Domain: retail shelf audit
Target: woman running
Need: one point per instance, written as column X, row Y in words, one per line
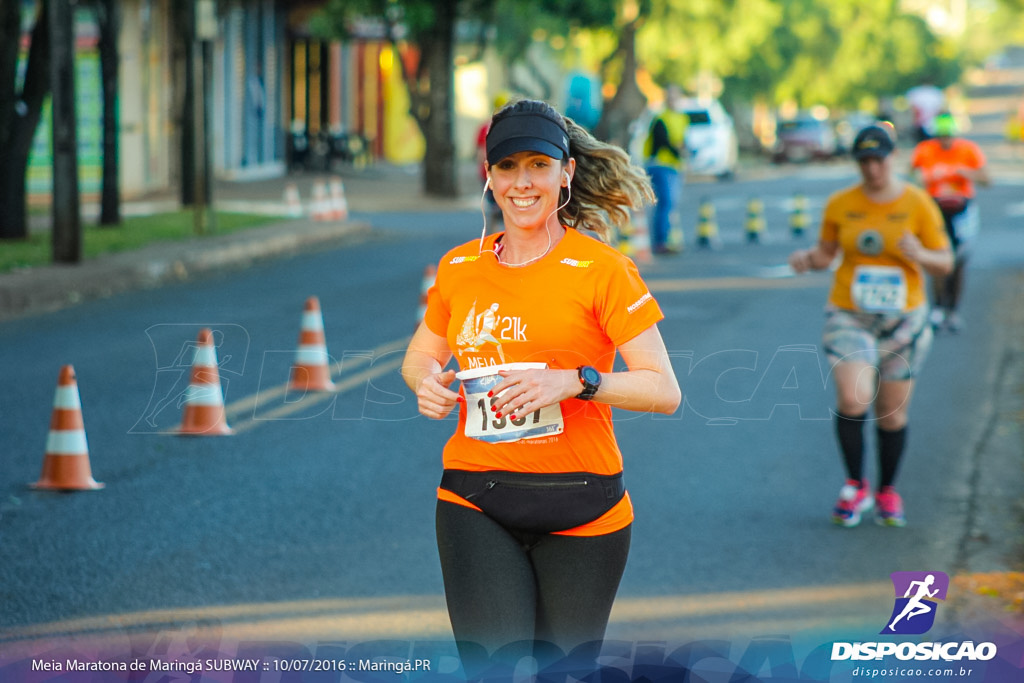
column 533, row 520
column 876, row 328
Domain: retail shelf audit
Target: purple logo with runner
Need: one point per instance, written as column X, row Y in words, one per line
column 916, row 596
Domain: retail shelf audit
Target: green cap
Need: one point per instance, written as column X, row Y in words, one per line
column 945, row 125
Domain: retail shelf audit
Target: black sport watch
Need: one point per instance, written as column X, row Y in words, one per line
column 590, row 378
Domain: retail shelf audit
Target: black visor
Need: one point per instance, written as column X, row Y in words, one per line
column 526, row 132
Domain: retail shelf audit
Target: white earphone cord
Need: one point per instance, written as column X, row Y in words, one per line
column 483, row 233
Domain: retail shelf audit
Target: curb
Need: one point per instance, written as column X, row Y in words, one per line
column 53, row 287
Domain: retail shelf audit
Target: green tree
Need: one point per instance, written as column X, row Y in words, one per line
column 832, row 52
column 735, row 39
column 21, row 107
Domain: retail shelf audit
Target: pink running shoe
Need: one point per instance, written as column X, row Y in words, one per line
column 890, row 508
column 854, row 499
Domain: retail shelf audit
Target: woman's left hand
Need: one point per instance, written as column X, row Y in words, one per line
column 528, row 390
column 936, row 262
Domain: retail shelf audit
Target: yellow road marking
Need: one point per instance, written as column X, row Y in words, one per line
column 317, row 398
column 251, row 404
column 417, row 616
column 675, row 606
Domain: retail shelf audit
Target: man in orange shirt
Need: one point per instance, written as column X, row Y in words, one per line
column 949, row 167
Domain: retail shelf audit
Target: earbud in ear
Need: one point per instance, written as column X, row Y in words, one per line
column 488, row 184
column 567, row 178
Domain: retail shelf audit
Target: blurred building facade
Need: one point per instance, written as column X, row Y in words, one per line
column 268, row 74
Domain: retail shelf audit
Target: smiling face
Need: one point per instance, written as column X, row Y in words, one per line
column 527, row 188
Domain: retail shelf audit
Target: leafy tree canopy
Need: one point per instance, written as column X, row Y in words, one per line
column 831, row 52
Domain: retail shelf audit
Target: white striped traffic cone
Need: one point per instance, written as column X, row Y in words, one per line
column 66, row 463
column 321, row 202
column 339, row 205
column 292, row 200
column 204, row 404
column 640, row 238
column 311, row 371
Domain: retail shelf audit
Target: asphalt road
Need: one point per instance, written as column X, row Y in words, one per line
column 314, row 521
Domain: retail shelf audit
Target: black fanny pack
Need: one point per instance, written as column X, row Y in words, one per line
column 537, row 503
column 952, row 205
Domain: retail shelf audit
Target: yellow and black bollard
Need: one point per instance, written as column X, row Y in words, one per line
column 625, row 232
column 798, row 218
column 707, row 226
column 755, row 220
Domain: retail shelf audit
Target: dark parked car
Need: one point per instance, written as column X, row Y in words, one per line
column 803, row 139
column 847, row 128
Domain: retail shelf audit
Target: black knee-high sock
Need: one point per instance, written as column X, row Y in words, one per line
column 890, row 450
column 850, row 430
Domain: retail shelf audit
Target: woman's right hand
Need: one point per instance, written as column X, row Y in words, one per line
column 434, row 398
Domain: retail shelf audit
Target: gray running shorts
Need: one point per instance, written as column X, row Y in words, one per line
column 896, row 344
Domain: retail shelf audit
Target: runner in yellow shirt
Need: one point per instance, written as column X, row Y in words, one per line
column 876, row 332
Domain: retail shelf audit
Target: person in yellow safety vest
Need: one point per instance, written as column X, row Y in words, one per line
column 665, row 155
column 1015, row 124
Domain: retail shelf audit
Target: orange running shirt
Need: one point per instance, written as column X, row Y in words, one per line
column 868, row 234
column 939, row 166
column 572, row 307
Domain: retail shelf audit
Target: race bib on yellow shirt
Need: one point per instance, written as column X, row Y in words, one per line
column 879, row 289
column 481, row 422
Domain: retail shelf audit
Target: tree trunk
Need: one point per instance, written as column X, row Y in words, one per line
column 10, row 39
column 20, row 113
column 185, row 78
column 66, row 232
column 628, row 102
column 440, row 177
column 110, row 26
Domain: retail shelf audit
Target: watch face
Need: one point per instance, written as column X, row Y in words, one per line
column 590, row 375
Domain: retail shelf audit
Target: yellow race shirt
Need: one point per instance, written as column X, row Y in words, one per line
column 874, row 275
column 572, row 307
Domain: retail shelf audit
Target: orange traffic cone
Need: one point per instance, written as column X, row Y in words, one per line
column 66, row 464
column 429, row 275
column 292, row 200
column 339, row 205
column 311, row 371
column 321, row 202
column 204, row 403
column 640, row 238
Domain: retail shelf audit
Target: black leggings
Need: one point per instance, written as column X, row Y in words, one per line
column 512, row 594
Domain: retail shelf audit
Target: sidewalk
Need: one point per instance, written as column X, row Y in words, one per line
column 377, row 188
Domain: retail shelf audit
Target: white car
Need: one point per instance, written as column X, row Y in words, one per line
column 711, row 139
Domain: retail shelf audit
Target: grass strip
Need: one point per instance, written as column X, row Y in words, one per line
column 134, row 232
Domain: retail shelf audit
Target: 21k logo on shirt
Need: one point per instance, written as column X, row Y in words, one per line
column 488, row 327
